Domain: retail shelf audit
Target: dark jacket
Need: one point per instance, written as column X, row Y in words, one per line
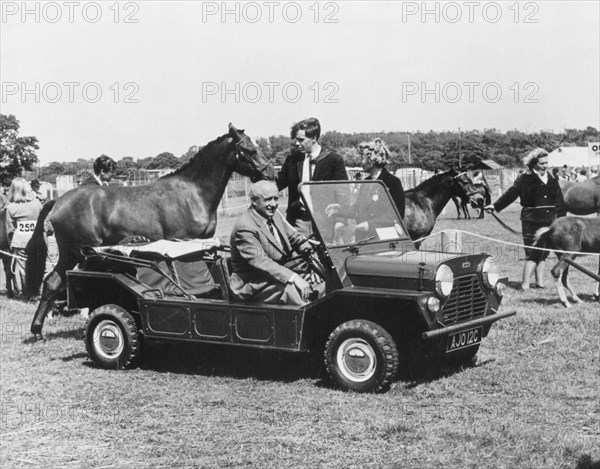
column 541, row 202
column 394, row 185
column 89, row 179
column 329, row 166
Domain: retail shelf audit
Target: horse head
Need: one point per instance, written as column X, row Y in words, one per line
column 249, row 159
column 463, row 187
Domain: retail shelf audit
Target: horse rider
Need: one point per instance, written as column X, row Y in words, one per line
column 260, row 243
column 308, row 161
column 541, row 201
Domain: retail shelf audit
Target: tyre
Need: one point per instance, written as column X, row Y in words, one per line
column 112, row 338
column 361, row 356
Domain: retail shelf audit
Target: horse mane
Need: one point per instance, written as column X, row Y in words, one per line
column 196, row 157
column 432, row 180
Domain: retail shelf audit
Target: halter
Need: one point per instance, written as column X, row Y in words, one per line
column 241, row 155
column 468, row 194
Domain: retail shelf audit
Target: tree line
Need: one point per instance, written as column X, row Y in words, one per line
column 430, row 150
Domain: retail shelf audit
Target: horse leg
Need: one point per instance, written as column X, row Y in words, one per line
column 567, row 284
column 457, row 205
column 54, row 285
column 6, row 265
column 558, row 272
column 466, row 210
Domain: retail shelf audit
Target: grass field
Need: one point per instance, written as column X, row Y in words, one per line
column 529, row 401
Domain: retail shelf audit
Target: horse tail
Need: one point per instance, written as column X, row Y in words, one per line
column 541, row 237
column 37, row 251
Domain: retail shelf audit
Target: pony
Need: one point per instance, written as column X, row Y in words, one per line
column 462, row 203
column 426, row 201
column 581, row 198
column 180, row 205
column 574, row 234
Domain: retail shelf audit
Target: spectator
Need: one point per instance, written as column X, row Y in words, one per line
column 19, row 222
column 582, row 176
column 35, row 186
column 4, row 244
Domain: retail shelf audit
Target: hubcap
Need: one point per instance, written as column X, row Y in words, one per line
column 108, row 339
column 356, row 360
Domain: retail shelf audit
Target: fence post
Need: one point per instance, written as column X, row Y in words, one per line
column 451, row 241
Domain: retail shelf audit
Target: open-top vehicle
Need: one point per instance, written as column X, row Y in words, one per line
column 384, row 301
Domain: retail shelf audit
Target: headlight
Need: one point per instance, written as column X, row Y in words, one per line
column 490, row 273
column 444, row 278
column 433, row 304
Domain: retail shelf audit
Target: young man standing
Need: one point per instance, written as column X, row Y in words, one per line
column 308, row 161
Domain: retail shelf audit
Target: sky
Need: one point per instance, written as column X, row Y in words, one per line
column 141, row 78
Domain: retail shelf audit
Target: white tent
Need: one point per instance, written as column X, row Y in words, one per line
column 572, row 157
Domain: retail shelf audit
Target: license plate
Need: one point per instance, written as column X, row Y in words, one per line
column 464, row 339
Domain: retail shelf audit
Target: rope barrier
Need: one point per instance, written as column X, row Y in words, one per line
column 509, row 243
column 14, row 256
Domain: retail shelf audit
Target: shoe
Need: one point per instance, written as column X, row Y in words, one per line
column 539, row 287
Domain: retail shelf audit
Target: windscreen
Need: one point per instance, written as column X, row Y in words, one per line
column 349, row 212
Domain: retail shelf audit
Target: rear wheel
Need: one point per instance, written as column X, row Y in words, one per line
column 112, row 338
column 361, row 356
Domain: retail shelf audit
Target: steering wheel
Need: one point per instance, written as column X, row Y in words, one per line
column 309, row 256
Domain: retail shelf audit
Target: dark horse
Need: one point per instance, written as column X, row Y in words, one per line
column 573, row 234
column 180, row 205
column 462, row 203
column 582, row 198
column 426, row 201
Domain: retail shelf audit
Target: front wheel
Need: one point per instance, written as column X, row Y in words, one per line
column 361, row 356
column 112, row 338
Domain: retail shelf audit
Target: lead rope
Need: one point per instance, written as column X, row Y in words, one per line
column 512, row 230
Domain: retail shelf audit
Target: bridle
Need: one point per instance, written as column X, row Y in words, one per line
column 461, row 183
column 242, row 155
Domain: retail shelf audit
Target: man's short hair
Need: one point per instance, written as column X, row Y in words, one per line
column 257, row 188
column 311, row 127
column 104, row 163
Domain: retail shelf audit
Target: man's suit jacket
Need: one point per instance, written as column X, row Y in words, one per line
column 329, row 166
column 255, row 253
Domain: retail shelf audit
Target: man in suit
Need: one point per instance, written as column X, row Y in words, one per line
column 308, row 161
column 260, row 241
column 104, row 169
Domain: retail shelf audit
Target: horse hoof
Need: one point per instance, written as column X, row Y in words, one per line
column 36, row 329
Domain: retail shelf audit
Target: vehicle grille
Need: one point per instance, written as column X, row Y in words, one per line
column 467, row 301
